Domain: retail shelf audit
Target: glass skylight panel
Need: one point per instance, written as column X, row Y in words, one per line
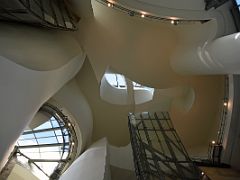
column 26, row 136
column 55, row 123
column 111, row 78
column 46, row 125
column 45, row 134
column 48, row 167
column 60, row 139
column 35, row 155
column 137, row 86
column 51, row 155
column 58, row 132
column 121, row 80
column 30, row 150
column 238, row 2
column 66, row 138
column 27, row 142
column 50, row 149
column 116, row 80
column 49, row 140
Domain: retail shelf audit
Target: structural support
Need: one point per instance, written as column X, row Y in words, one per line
column 157, row 149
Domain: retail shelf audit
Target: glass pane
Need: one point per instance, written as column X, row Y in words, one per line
column 50, row 149
column 26, row 136
column 58, row 132
column 45, row 134
column 30, row 150
column 60, row 139
column 66, row 138
column 22, row 159
column 111, row 78
column 33, row 155
column 55, row 123
column 137, row 86
column 49, row 140
column 52, row 118
column 27, row 142
column 45, row 125
column 48, row 167
column 121, row 81
column 238, row 2
column 51, row 155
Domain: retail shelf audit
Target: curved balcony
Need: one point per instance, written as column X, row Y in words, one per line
column 48, row 13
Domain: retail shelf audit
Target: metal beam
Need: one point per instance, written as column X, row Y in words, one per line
column 41, row 130
column 48, row 160
column 43, row 145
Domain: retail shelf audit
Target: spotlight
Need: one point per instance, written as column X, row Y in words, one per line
column 225, row 104
column 213, row 142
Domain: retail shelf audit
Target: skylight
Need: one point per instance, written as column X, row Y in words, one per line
column 116, row 80
column 238, row 2
column 48, row 146
column 137, row 86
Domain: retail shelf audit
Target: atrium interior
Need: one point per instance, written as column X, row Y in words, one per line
column 119, row 89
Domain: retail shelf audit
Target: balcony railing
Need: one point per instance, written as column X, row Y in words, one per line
column 48, row 13
column 214, row 3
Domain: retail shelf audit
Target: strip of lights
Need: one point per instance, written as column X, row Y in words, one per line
column 131, row 12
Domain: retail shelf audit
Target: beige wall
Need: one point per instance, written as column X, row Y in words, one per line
column 37, row 48
column 196, row 127
column 108, row 120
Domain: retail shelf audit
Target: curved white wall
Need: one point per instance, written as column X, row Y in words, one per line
column 112, row 94
column 71, row 98
column 93, row 164
column 181, row 98
column 121, row 157
column 142, row 96
column 23, row 91
column 220, row 56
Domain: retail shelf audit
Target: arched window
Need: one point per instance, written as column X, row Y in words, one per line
column 49, row 147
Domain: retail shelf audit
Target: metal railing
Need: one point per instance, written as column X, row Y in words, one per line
column 138, row 13
column 224, row 110
column 215, row 147
column 48, row 13
column 157, row 149
column 214, row 3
